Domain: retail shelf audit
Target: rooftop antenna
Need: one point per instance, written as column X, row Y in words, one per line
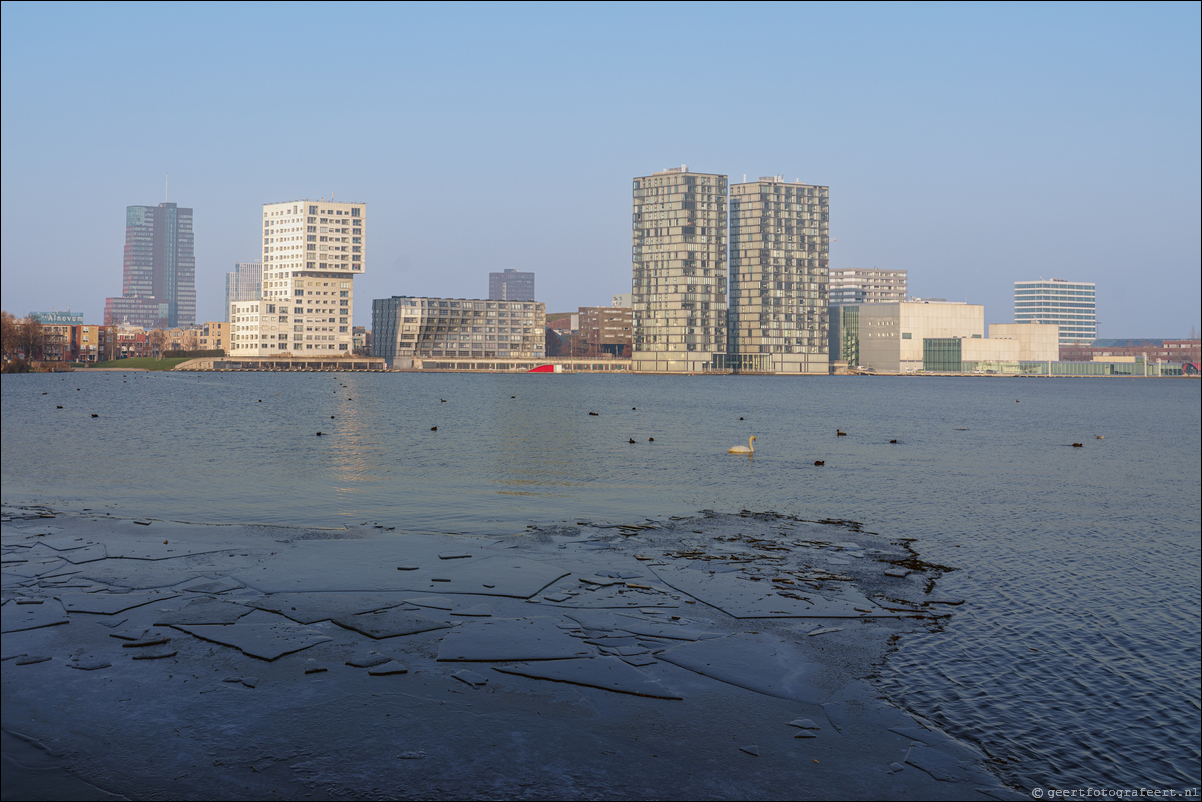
column 167, row 188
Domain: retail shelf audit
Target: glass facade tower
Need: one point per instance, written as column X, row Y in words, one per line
column 158, row 287
column 245, row 283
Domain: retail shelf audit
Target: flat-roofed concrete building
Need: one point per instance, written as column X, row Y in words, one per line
column 511, row 285
column 889, row 337
column 244, row 283
column 867, row 286
column 1069, row 304
column 908, row 337
column 1009, row 348
column 779, row 260
column 405, row 328
column 312, row 252
column 678, row 292
column 606, row 330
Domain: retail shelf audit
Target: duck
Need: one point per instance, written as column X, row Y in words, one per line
column 819, row 462
column 840, row 433
column 748, row 449
column 631, row 440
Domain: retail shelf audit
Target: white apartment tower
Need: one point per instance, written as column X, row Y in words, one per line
column 312, row 251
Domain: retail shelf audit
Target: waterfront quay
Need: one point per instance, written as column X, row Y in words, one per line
column 282, row 363
column 417, row 366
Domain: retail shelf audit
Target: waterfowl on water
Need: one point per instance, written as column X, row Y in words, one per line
column 819, row 462
column 747, row 449
column 840, row 433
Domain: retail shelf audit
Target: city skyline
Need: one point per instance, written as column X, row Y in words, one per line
column 972, row 146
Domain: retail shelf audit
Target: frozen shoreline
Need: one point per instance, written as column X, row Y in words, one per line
column 528, row 672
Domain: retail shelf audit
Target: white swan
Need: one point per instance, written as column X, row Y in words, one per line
column 748, row 449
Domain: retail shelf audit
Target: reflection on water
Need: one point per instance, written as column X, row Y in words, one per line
column 1075, row 657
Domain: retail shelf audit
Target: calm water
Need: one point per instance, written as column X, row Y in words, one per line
column 1074, row 662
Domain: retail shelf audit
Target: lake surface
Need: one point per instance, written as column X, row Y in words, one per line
column 1075, row 661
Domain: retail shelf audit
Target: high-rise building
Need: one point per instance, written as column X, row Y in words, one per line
column 245, row 283
column 404, row 328
column 858, row 286
column 779, row 260
column 312, row 251
column 1069, row 304
column 679, row 282
column 511, row 285
column 159, row 272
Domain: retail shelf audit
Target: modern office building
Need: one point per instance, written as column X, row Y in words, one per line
column 158, row 287
column 245, row 283
column 406, row 328
column 1068, row 304
column 679, row 278
column 312, row 252
column 511, row 285
column 779, row 260
column 873, row 286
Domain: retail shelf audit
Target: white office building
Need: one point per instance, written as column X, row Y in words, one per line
column 1068, row 304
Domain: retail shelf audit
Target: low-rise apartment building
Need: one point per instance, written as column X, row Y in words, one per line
column 214, row 336
column 606, row 330
column 406, row 327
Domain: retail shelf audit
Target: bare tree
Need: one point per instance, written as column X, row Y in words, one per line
column 190, row 340
column 109, row 350
column 33, row 339
column 9, row 335
column 157, row 339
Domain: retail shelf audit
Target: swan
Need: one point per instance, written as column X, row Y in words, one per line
column 748, row 449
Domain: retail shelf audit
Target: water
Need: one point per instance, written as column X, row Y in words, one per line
column 1074, row 661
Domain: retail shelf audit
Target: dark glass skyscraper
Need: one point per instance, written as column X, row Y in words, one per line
column 511, row 285
column 158, row 288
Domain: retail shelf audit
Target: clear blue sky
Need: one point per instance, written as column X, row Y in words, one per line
column 973, row 145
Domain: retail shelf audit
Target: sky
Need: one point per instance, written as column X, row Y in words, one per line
column 973, row 145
